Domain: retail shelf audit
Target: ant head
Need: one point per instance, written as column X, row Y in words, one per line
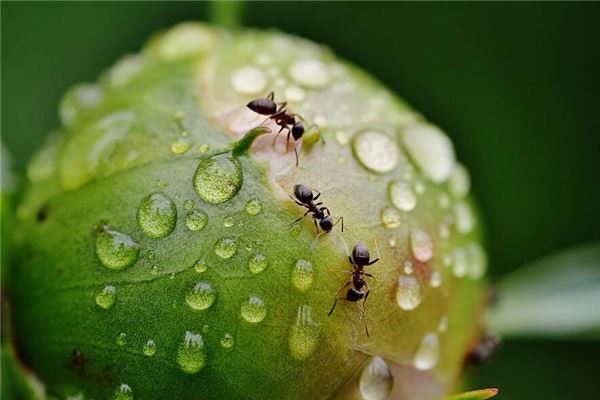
column 326, row 223
column 303, row 193
column 298, row 130
column 360, row 254
column 263, row 106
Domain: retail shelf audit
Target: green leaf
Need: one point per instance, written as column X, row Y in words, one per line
column 481, row 394
column 557, row 296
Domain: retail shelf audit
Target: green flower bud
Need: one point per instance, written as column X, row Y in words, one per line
column 156, row 257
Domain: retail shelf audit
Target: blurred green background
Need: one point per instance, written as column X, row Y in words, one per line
column 515, row 85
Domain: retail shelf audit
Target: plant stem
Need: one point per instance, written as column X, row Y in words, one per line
column 227, row 13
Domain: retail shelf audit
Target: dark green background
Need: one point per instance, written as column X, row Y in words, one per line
column 516, row 86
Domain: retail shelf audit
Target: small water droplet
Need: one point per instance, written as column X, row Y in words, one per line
column 253, row 310
column 253, row 207
column 447, row 260
column 107, row 296
column 408, row 294
column 443, row 324
column 154, row 270
column 478, row 261
column 228, row 221
column 444, row 231
column 196, row 219
column 116, row 250
column 201, row 265
column 428, row 352
column 225, row 247
column 257, row 263
column 294, row 94
column 217, row 179
column 431, row 149
column 392, row 242
column 303, row 334
column 420, row 187
column 149, row 348
column 402, row 195
column 376, row 151
column 342, row 137
column 121, row 339
column 465, row 222
column 203, row 148
column 311, row 73
column 180, row 146
column 190, row 355
column 460, row 264
column 189, row 204
column 303, row 275
column 376, row 381
column 435, row 280
column 150, row 255
column 157, row 215
column 460, row 181
column 123, row 392
column 201, row 296
column 248, row 80
column 390, row 218
column 227, row 341
column 421, row 245
column 408, row 267
column 444, row 201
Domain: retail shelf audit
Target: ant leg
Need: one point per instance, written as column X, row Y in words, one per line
column 296, row 153
column 326, row 209
column 299, row 219
column 276, row 136
column 316, row 226
column 372, row 262
column 364, row 311
column 319, row 203
column 281, row 106
column 337, row 298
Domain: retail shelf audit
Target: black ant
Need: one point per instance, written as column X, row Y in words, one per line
column 481, row 353
column 360, row 258
column 282, row 117
column 305, row 198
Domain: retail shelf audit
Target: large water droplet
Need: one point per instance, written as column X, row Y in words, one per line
column 421, row 245
column 253, row 207
column 149, row 348
column 303, row 334
column 227, row 341
column 121, row 339
column 218, row 178
column 428, row 352
column 376, row 151
column 201, row 296
column 248, row 80
column 465, row 222
column 201, row 265
column 303, row 275
column 116, row 250
column 196, row 220
column 460, row 181
column 402, row 195
column 190, row 355
column 431, row 150
column 376, row 381
column 253, row 310
column 106, row 298
column 257, row 263
column 225, row 247
column 311, row 73
column 123, row 392
column 390, row 218
column 228, row 221
column 408, row 294
column 157, row 215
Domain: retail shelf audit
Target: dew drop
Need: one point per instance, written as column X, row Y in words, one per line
column 123, row 392
column 190, row 355
column 402, row 195
column 149, row 348
column 154, row 270
column 157, row 215
column 248, row 80
column 196, row 219
column 390, row 218
column 227, row 341
column 302, row 276
column 311, row 73
column 121, row 339
column 201, row 296
column 460, row 181
column 342, row 137
column 408, row 267
column 376, row 151
column 435, row 280
column 225, row 247
column 421, row 245
column 253, row 207
column 478, row 261
column 180, row 146
column 200, row 265
column 408, row 294
column 444, row 201
column 116, row 250
column 465, row 222
column 257, row 263
column 189, row 204
column 107, row 296
column 376, row 381
column 428, row 352
column 304, row 334
column 228, row 221
column 253, row 310
column 432, row 151
column 294, row 94
column 460, row 264
column 443, row 324
column 217, row 179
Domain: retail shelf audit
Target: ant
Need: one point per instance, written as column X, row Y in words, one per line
column 305, row 198
column 481, row 353
column 281, row 116
column 360, row 258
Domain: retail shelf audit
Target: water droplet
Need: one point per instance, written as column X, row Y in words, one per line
column 154, row 270
column 225, row 247
column 123, row 392
column 376, row 381
column 253, row 310
column 421, row 245
column 420, row 187
column 431, row 149
column 257, row 263
column 444, row 231
column 201, row 296
column 196, row 220
column 157, row 215
column 121, row 339
column 180, row 146
column 78, row 100
column 151, row 254
column 189, row 204
column 478, row 261
column 408, row 267
column 185, row 40
column 116, row 250
column 342, row 137
column 149, row 348
column 460, row 181
column 390, row 218
column 217, row 179
column 253, row 207
column 303, row 275
column 311, row 73
column 435, row 280
column 106, row 298
column 460, row 263
column 402, row 195
column 443, row 324
column 392, row 242
column 202, row 148
column 201, row 265
column 190, row 355
column 428, row 352
column 303, row 334
column 408, row 294
column 227, row 341
column 376, row 151
column 444, row 201
column 465, row 222
column 447, row 260
column 228, row 221
column 294, row 94
column 248, row 80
